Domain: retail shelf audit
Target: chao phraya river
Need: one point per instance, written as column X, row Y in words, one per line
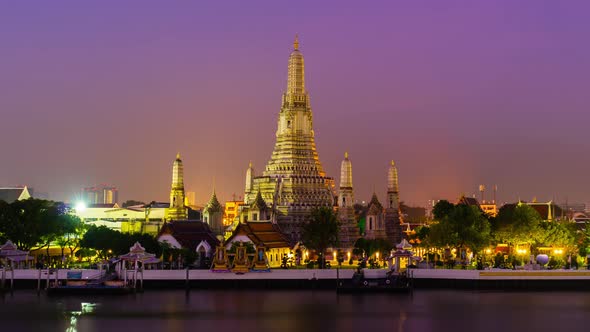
column 226, row 310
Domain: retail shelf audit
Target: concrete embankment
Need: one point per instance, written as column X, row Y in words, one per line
column 326, row 279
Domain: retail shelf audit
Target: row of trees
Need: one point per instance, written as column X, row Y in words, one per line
column 36, row 224
column 33, row 224
column 467, row 227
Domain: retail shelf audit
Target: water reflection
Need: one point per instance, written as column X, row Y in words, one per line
column 297, row 311
column 86, row 308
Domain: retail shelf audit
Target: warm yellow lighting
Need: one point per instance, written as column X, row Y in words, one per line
column 521, row 251
column 558, row 251
column 488, row 251
column 377, row 255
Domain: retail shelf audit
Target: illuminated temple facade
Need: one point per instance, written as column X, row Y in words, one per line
column 294, row 181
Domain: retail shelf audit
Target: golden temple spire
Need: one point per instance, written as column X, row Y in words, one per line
column 178, row 155
column 296, row 76
column 346, row 155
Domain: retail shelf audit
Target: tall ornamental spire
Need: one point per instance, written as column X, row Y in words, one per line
column 296, row 77
column 346, row 195
column 293, row 182
column 177, row 173
column 177, row 210
column 346, row 172
column 249, row 176
column 392, row 187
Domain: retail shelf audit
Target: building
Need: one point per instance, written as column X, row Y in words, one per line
column 548, row 211
column 101, row 194
column 349, row 231
column 393, row 215
column 293, row 182
column 177, row 209
column 263, row 233
column 132, row 219
column 192, row 235
column 231, row 212
column 491, row 209
column 11, row 194
column 213, row 215
column 375, row 220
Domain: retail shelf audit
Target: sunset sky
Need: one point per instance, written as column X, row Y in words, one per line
column 458, row 93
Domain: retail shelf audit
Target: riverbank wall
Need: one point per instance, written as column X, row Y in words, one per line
column 495, row 279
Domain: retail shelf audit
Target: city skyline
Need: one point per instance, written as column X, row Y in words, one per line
column 101, row 96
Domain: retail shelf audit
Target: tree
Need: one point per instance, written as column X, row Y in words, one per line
column 419, row 236
column 321, row 232
column 110, row 242
column 70, row 232
column 463, row 226
column 519, row 224
column 583, row 240
column 559, row 234
column 442, row 209
column 28, row 223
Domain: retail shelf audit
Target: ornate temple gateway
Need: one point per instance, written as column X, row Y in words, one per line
column 294, row 181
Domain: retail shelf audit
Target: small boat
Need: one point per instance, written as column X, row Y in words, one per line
column 376, row 281
column 75, row 285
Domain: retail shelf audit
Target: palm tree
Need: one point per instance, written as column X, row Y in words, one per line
column 321, row 232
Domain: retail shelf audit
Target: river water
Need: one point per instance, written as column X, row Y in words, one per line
column 176, row 310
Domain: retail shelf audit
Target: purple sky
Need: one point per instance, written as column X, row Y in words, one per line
column 458, row 93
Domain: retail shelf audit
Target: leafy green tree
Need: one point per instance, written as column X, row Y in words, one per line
column 31, row 222
column 321, row 232
column 442, row 209
column 66, row 229
column 110, row 242
column 583, row 240
column 519, row 224
column 419, row 236
column 559, row 234
column 463, row 226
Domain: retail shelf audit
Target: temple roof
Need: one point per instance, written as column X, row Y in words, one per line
column 468, row 201
column 213, row 205
column 189, row 233
column 259, row 203
column 10, row 195
column 262, row 232
column 375, row 206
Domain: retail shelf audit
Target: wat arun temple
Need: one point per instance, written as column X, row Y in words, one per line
column 293, row 183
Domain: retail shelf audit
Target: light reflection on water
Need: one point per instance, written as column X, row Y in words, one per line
column 298, row 311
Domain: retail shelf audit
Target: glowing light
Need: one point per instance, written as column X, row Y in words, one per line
column 558, row 251
column 377, row 255
column 80, row 206
column 488, row 251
